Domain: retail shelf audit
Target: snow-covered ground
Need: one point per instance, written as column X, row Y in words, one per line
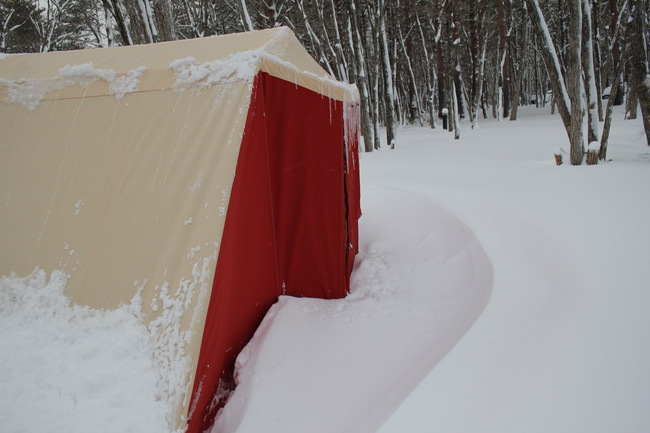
column 494, row 292
column 563, row 344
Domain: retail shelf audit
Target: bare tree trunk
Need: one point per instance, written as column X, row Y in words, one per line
column 519, row 73
column 413, row 102
column 568, row 98
column 362, row 79
column 597, row 58
column 164, row 14
column 638, row 61
column 504, row 66
column 442, row 77
column 115, row 6
column 247, row 16
column 631, row 105
column 588, row 73
column 110, row 21
column 574, row 81
column 616, row 87
column 315, row 40
column 517, row 93
column 194, row 22
column 430, row 75
column 5, row 30
column 602, row 153
column 477, row 47
column 141, row 27
column 454, row 112
column 615, row 26
column 389, row 90
column 477, row 97
column 337, row 49
column 398, row 84
column 539, row 91
column 549, row 54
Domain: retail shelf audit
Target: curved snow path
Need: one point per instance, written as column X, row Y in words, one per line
column 420, row 281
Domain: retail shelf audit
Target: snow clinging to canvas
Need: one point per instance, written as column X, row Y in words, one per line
column 30, row 92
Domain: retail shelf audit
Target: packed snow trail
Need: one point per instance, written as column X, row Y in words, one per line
column 563, row 343
column 335, row 366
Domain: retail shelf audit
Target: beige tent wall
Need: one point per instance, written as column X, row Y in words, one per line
column 123, row 194
column 128, row 194
column 105, row 189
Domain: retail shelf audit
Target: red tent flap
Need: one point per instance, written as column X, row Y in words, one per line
column 289, row 227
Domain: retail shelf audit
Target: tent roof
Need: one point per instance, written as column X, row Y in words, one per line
column 177, row 64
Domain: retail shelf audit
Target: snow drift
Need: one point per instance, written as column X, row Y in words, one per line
column 421, row 280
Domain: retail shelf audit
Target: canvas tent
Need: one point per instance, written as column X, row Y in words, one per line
column 205, row 177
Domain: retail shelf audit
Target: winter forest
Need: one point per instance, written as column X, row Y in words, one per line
column 429, row 63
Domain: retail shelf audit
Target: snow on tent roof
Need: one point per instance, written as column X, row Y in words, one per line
column 117, row 167
column 197, row 62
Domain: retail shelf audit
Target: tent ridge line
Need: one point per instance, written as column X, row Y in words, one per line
column 72, row 95
column 188, row 74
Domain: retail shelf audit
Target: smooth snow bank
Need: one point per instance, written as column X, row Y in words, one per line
column 73, row 369
column 563, row 345
column 420, row 281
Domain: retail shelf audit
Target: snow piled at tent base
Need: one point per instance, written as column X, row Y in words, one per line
column 88, row 367
column 416, row 289
column 70, row 368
